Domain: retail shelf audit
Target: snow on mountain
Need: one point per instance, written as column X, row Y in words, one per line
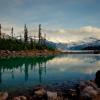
column 87, row 42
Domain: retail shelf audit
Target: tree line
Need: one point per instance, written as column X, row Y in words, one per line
column 27, row 43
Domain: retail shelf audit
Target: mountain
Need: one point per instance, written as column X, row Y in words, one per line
column 50, row 43
column 86, row 44
column 61, row 46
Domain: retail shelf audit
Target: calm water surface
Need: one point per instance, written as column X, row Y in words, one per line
column 23, row 72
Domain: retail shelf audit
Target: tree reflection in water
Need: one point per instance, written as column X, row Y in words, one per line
column 28, row 62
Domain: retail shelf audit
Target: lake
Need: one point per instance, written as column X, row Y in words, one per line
column 23, row 72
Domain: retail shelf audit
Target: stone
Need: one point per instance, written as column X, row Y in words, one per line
column 89, row 90
column 20, row 98
column 72, row 92
column 40, row 92
column 52, row 95
column 82, row 85
column 16, row 98
column 84, row 96
column 97, row 78
column 3, row 95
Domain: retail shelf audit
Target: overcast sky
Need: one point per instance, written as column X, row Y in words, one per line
column 62, row 20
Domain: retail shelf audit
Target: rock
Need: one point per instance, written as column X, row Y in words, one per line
column 52, row 95
column 82, row 85
column 89, row 90
column 97, row 78
column 8, row 52
column 20, row 98
column 13, row 52
column 40, row 92
column 72, row 92
column 16, row 98
column 92, row 84
column 3, row 95
column 85, row 96
column 23, row 98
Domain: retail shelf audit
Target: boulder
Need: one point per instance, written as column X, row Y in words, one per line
column 85, row 96
column 40, row 92
column 52, row 95
column 88, row 90
column 3, row 95
column 20, row 98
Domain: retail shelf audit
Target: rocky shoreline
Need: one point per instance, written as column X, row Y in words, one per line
column 41, row 92
column 7, row 53
column 85, row 90
column 23, row 53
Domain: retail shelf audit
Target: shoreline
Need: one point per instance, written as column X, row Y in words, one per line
column 39, row 92
column 28, row 53
column 44, row 92
column 82, row 52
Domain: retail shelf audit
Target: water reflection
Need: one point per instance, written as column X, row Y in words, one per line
column 29, row 71
column 27, row 63
column 0, row 76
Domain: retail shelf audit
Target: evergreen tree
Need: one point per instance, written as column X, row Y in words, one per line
column 0, row 30
column 39, row 35
column 12, row 32
column 25, row 34
column 31, row 43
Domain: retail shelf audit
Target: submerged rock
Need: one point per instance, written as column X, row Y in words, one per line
column 40, row 92
column 89, row 91
column 3, row 95
column 92, row 92
column 52, row 95
column 72, row 92
column 20, row 98
column 85, row 96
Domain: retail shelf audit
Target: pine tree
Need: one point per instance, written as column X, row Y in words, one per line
column 39, row 35
column 0, row 30
column 25, row 34
column 12, row 32
column 44, row 39
column 31, row 43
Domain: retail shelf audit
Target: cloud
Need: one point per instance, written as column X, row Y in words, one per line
column 73, row 35
column 90, row 29
column 57, row 34
column 6, row 27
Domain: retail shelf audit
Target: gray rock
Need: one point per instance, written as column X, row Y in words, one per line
column 40, row 92
column 3, row 95
column 52, row 95
column 20, row 98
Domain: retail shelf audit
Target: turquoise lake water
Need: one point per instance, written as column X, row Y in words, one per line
column 23, row 72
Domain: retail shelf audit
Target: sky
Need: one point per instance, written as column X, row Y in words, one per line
column 62, row 20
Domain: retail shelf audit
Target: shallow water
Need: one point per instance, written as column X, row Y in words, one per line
column 23, row 72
